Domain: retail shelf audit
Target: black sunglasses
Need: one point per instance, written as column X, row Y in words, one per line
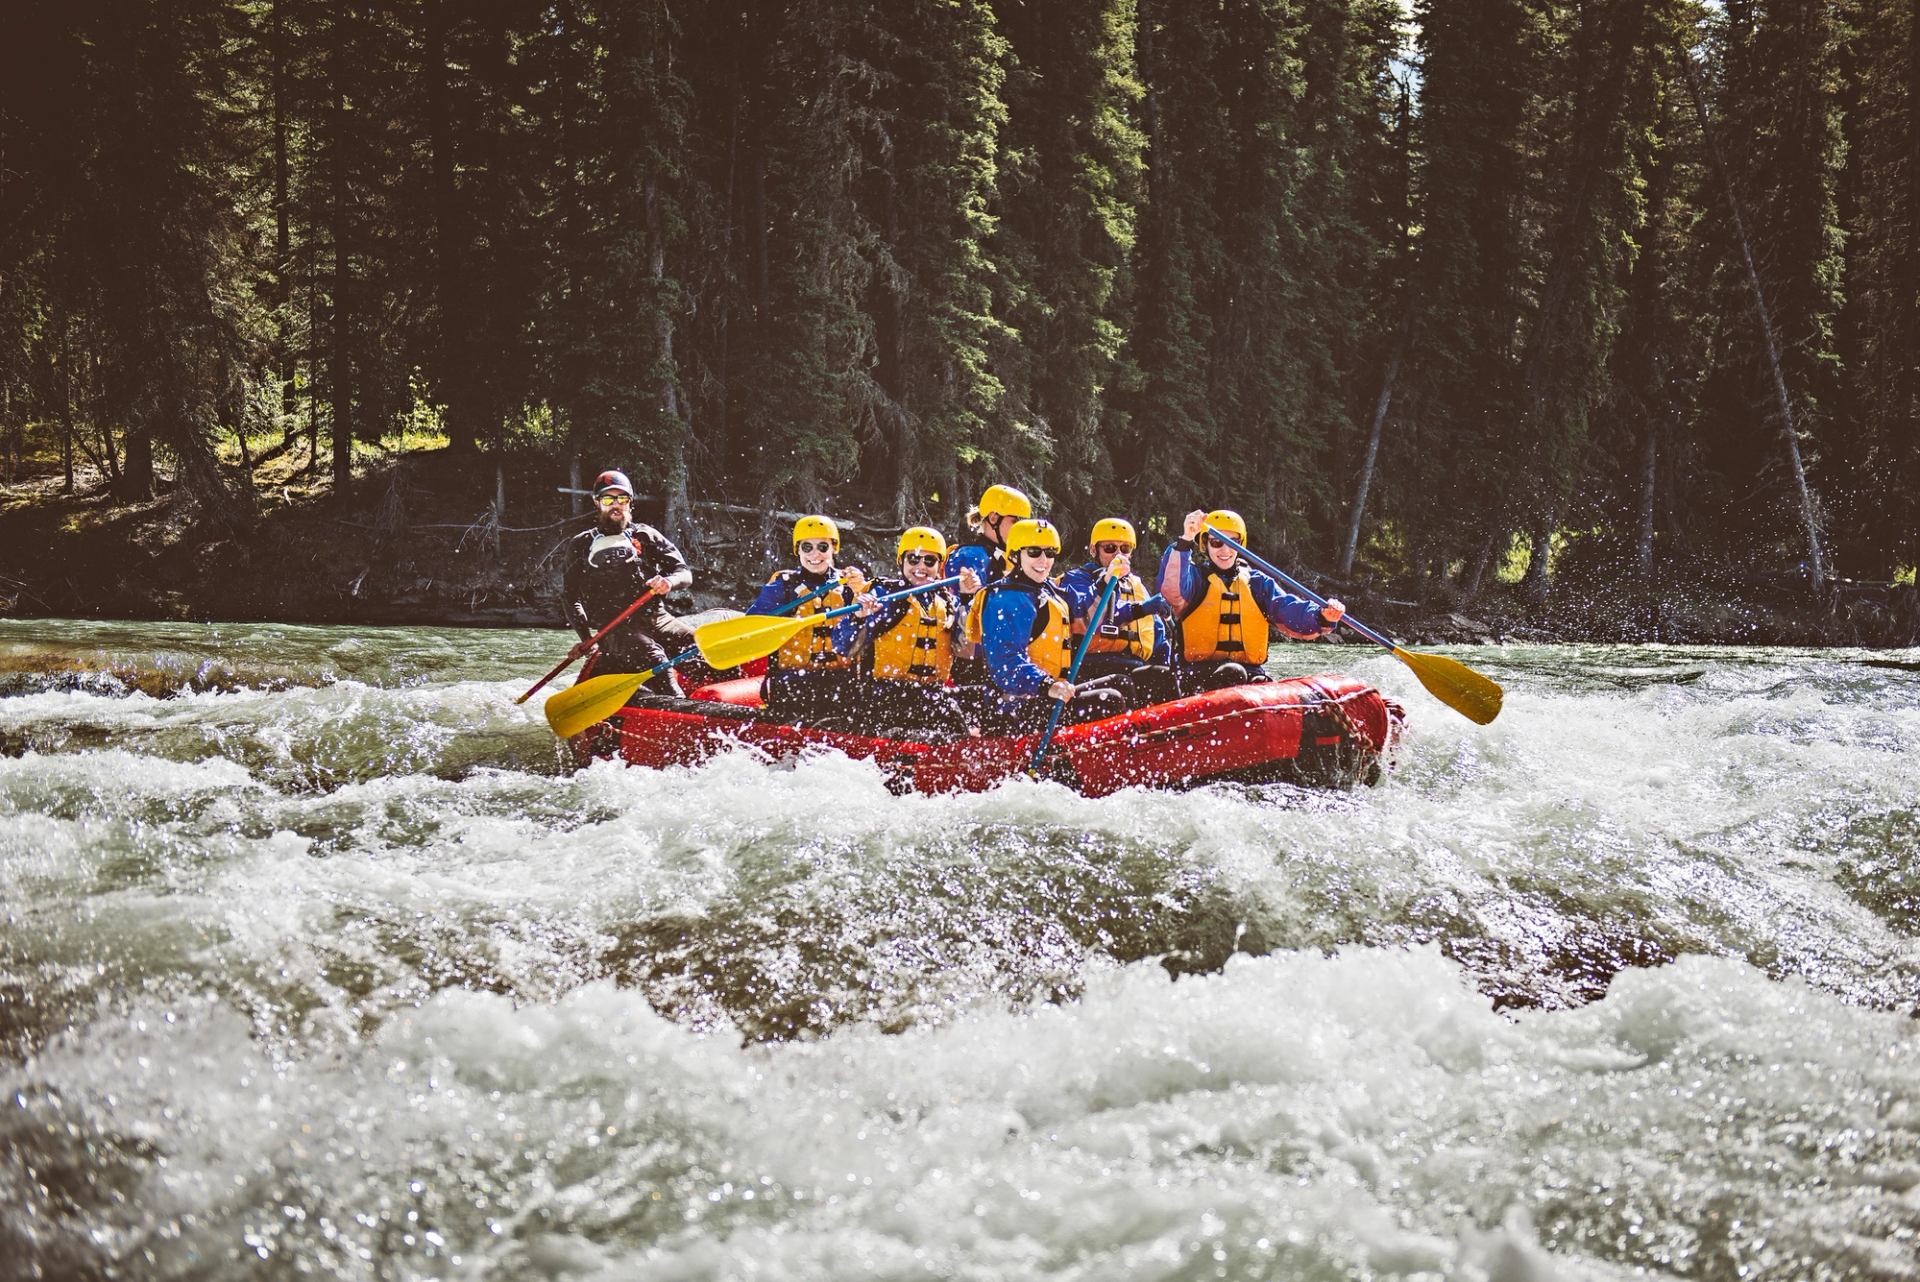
column 812, row 545
column 1112, row 549
column 1037, row 553
column 921, row 558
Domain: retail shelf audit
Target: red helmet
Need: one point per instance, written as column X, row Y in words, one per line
column 609, row 482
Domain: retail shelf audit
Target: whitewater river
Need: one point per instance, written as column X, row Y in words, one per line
column 317, row 960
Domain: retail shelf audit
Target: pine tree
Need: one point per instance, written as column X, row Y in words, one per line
column 617, row 237
column 812, row 400
column 1480, row 64
column 1069, row 194
column 483, row 179
column 936, row 402
column 1879, row 450
column 146, row 234
column 1590, row 218
column 1770, row 125
column 1171, row 454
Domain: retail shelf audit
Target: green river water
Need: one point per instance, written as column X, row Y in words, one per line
column 318, row 959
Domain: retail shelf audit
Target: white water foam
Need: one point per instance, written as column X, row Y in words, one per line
column 1365, row 1114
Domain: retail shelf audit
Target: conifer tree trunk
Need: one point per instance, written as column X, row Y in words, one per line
column 1649, row 477
column 1380, row 405
column 447, row 229
column 1809, row 511
column 282, row 232
column 1538, row 578
column 679, row 513
column 342, row 371
column 66, row 405
column 1907, row 547
column 136, row 465
column 313, row 352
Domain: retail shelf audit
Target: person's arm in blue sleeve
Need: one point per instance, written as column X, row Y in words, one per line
column 771, row 598
column 957, row 629
column 970, row 556
column 1127, row 611
column 1296, row 616
column 1077, row 586
column 1006, row 627
column 848, row 635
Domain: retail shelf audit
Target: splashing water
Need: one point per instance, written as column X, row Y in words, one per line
column 318, row 959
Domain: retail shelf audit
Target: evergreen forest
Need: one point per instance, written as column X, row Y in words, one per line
column 1442, row 290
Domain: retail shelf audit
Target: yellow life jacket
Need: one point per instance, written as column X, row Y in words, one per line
column 919, row 647
column 1136, row 638
column 1051, row 647
column 811, row 648
column 1226, row 622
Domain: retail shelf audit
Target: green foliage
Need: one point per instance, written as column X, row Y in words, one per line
column 1133, row 255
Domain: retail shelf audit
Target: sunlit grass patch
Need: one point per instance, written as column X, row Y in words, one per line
column 1513, row 566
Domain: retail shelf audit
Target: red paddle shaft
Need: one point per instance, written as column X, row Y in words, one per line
column 560, row 667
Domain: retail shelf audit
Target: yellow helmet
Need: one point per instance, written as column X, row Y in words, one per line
column 1032, row 534
column 921, row 538
column 1004, row 500
column 1113, row 529
column 816, row 527
column 1229, row 523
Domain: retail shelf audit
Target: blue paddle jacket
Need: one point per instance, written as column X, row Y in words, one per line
column 789, row 586
column 1082, row 586
column 1294, row 615
column 976, row 554
column 1006, row 629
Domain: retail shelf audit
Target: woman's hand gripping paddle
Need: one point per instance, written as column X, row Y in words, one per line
column 1473, row 696
column 588, row 703
column 728, row 643
column 1053, row 721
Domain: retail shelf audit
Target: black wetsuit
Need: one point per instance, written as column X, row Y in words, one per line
column 605, row 572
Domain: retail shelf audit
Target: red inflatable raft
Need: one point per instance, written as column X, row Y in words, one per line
column 1327, row 731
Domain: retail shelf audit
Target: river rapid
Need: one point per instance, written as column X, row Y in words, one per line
column 319, row 960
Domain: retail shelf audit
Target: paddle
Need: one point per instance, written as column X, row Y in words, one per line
column 1053, row 719
column 727, row 643
column 1473, row 696
column 589, row 702
column 562, row 666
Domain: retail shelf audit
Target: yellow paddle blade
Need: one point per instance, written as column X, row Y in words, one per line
column 592, row 701
column 1473, row 696
column 728, row 643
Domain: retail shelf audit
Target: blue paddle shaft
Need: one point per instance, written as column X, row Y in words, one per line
column 1299, row 587
column 1059, row 706
column 892, row 596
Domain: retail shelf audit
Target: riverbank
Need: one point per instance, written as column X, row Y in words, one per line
column 407, row 547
